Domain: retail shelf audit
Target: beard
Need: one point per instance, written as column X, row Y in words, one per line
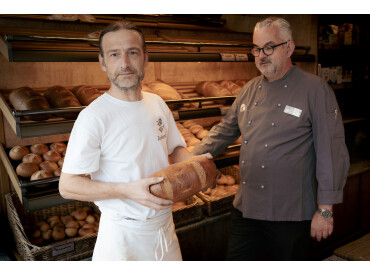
column 126, row 82
column 266, row 67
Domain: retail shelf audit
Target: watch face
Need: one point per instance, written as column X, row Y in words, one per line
column 326, row 214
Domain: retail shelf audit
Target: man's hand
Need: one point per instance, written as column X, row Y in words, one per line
column 320, row 227
column 139, row 191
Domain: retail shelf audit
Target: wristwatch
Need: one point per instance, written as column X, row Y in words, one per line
column 325, row 213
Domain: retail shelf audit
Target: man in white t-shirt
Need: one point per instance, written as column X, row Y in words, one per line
column 120, row 139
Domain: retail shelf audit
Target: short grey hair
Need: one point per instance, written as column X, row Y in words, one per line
column 283, row 25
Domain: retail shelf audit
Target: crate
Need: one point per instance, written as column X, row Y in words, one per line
column 190, row 213
column 217, row 205
column 69, row 249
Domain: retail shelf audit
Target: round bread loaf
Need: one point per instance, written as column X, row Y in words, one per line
column 26, row 169
column 195, row 128
column 42, row 174
column 18, row 152
column 60, row 97
column 202, row 134
column 86, row 94
column 51, row 156
column 25, row 98
column 166, row 92
column 48, row 165
column 32, row 158
column 59, row 147
column 39, row 148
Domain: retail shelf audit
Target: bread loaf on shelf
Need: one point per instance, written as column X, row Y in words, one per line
column 25, row 98
column 183, row 180
column 166, row 92
column 86, row 94
column 211, row 89
column 231, row 86
column 60, row 97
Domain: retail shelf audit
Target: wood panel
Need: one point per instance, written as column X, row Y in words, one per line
column 365, row 201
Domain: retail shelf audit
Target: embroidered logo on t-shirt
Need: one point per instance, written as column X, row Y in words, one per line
column 160, row 129
column 292, row 111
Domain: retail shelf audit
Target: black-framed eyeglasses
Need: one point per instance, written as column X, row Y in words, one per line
column 267, row 50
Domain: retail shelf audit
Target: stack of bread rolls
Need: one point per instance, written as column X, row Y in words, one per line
column 79, row 223
column 226, row 185
column 39, row 161
column 192, row 132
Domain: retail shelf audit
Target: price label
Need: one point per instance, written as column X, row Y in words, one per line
column 227, row 57
column 241, row 57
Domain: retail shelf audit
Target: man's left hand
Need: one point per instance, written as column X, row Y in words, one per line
column 320, row 227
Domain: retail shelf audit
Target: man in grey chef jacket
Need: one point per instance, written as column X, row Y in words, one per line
column 293, row 158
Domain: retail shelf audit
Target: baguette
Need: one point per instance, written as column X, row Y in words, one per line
column 25, row 98
column 211, row 89
column 60, row 97
column 183, row 180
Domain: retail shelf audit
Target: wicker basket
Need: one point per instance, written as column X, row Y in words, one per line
column 69, row 249
column 190, row 213
column 217, row 205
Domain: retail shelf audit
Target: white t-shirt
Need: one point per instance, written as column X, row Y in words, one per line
column 122, row 141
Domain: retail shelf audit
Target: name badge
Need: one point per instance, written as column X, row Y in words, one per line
column 292, row 111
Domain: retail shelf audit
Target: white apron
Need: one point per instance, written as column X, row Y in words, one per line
column 133, row 240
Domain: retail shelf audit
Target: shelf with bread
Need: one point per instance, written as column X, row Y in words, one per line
column 33, row 112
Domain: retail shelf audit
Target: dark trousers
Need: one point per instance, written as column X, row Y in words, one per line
column 253, row 240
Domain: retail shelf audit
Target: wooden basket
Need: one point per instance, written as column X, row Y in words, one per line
column 69, row 249
column 217, row 205
column 190, row 213
column 358, row 250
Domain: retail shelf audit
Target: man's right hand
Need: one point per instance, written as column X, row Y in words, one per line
column 139, row 192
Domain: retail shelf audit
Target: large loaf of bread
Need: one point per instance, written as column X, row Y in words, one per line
column 27, row 99
column 60, row 97
column 86, row 94
column 183, row 180
column 231, row 86
column 212, row 89
column 166, row 92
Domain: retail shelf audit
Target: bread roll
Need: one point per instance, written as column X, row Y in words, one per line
column 42, row 174
column 193, row 142
column 39, row 148
column 183, row 180
column 194, row 129
column 58, row 147
column 58, row 234
column 189, row 123
column 67, row 218
column 46, row 235
column 86, row 232
column 60, row 97
column 27, row 99
column 86, row 94
column 49, row 166
column 202, row 134
column 241, row 82
column 32, row 158
column 18, row 152
column 232, row 188
column 57, row 172
column 71, row 231
column 166, row 92
column 73, row 224
column 90, row 219
column 26, row 170
column 79, row 214
column 51, row 156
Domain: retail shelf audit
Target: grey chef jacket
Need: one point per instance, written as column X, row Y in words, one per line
column 293, row 152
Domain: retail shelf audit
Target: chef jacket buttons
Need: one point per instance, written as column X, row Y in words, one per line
column 243, row 182
column 243, row 161
column 262, row 186
column 266, row 145
column 279, row 105
column 245, row 141
column 273, row 124
column 255, row 103
column 263, row 166
column 250, row 122
column 259, row 87
column 285, row 86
